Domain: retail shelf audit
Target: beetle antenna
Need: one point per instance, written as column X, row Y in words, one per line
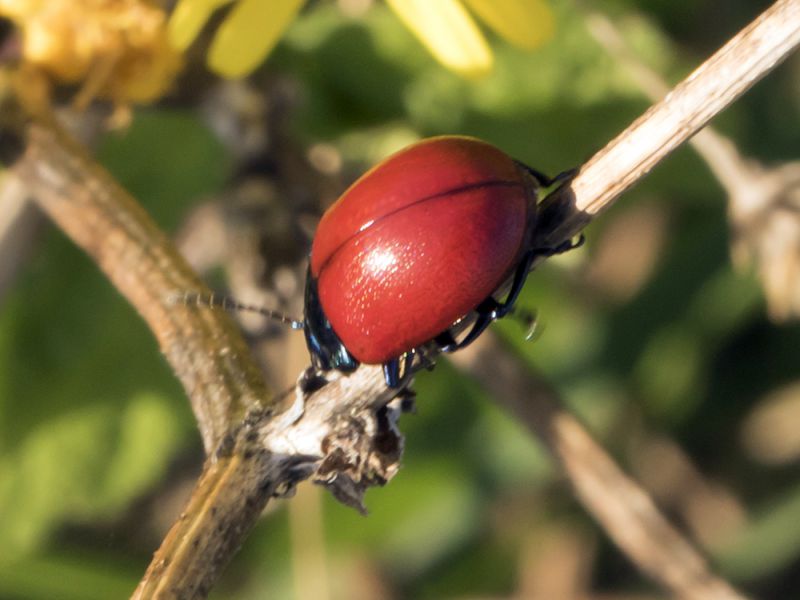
column 213, row 300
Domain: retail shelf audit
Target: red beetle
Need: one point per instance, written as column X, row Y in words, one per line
column 412, row 253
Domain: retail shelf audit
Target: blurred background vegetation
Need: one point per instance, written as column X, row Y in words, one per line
column 654, row 339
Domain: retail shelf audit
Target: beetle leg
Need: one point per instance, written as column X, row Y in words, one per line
column 392, row 374
column 521, row 274
column 326, row 349
column 408, row 363
column 490, row 309
column 485, row 310
column 483, row 321
column 570, row 244
column 545, row 180
column 564, row 176
column 425, row 361
column 445, row 340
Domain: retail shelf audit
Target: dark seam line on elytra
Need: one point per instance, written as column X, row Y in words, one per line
column 466, row 188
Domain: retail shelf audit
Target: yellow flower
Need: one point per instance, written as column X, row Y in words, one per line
column 452, row 36
column 115, row 49
column 446, row 27
column 247, row 35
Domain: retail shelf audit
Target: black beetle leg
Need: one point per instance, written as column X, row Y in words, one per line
column 546, row 181
column 392, row 374
column 425, row 361
column 408, row 364
column 483, row 321
column 487, row 311
column 562, row 247
column 517, row 284
column 448, row 343
column 543, row 180
column 490, row 309
column 564, row 176
column 445, row 340
column 326, row 349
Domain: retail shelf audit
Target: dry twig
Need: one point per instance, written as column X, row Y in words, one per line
column 763, row 201
column 713, row 86
column 342, row 434
column 345, row 438
column 618, row 503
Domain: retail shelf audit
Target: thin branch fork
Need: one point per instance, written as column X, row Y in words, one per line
column 341, row 433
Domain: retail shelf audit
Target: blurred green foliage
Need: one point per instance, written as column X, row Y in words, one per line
column 91, row 420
